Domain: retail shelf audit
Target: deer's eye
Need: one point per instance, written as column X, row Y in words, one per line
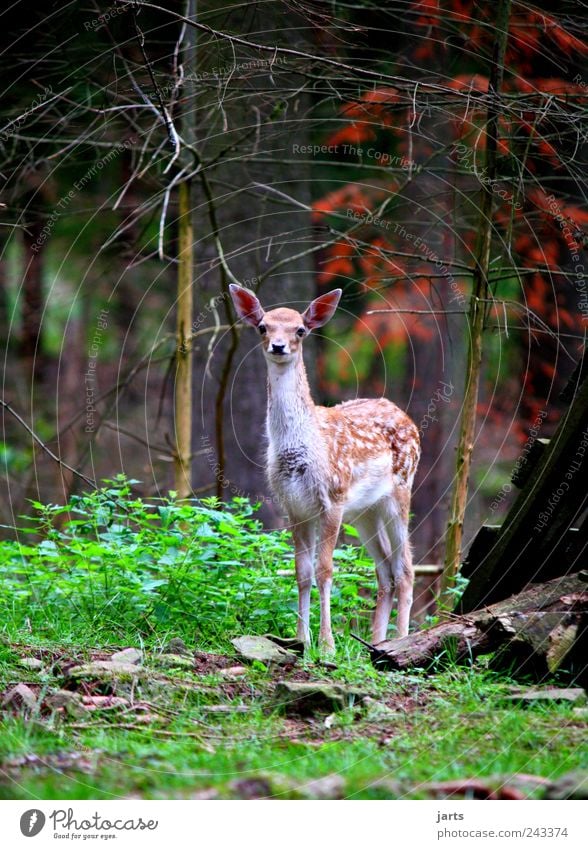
column 301, row 331
column 262, row 329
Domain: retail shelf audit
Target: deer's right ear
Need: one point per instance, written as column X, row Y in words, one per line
column 321, row 309
column 246, row 304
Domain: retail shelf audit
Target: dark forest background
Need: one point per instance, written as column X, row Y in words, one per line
column 324, row 144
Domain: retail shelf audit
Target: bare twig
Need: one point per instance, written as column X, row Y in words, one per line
column 119, row 429
column 42, row 445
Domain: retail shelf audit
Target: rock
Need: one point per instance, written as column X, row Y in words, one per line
column 327, row 664
column 61, row 698
column 576, row 695
column 258, row 787
column 176, row 661
column 328, row 787
column 226, row 708
column 275, row 786
column 233, row 671
column 375, row 710
column 250, row 649
column 572, row 785
column 70, row 702
column 177, row 646
column 303, row 699
column 20, row 697
column 130, row 655
column 469, row 788
column 292, row 644
column 104, row 702
column 203, row 795
column 528, row 785
column 32, row 663
column 580, row 712
column 105, row 670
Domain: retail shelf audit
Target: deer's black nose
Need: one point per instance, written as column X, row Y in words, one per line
column 278, row 349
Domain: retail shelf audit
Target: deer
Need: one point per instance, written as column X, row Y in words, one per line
column 354, row 462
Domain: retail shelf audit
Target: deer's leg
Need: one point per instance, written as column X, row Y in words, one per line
column 374, row 535
column 384, row 532
column 329, row 525
column 404, row 585
column 402, row 559
column 304, row 535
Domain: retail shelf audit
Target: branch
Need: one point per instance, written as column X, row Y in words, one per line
column 118, row 429
column 42, row 445
column 169, row 125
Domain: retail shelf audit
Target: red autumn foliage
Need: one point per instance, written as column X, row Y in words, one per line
column 351, row 196
column 354, row 133
column 539, row 221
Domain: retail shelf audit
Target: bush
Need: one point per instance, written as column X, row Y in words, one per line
column 119, row 564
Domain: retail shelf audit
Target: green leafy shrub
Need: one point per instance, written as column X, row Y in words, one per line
column 120, row 565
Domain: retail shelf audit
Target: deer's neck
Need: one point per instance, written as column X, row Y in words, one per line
column 291, row 416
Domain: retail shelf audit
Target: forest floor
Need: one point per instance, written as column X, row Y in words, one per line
column 181, row 715
column 204, row 725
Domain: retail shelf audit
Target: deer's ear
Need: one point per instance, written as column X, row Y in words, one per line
column 246, row 304
column 321, row 309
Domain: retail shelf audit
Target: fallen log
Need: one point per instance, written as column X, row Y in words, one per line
column 538, row 632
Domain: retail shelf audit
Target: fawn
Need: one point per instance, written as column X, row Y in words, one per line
column 355, row 462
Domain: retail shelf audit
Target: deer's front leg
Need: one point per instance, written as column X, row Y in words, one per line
column 304, row 535
column 329, row 525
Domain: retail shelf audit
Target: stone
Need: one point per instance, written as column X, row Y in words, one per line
column 66, row 699
column 129, row 655
column 328, row 787
column 576, row 695
column 251, row 648
column 306, row 699
column 257, row 787
column 177, row 646
column 233, row 671
column 572, row 785
column 104, row 702
column 276, row 786
column 175, row 661
column 226, row 708
column 206, row 794
column 376, row 711
column 105, row 670
column 20, row 697
column 32, row 663
column 292, row 644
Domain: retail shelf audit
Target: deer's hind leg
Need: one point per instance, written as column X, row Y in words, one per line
column 402, row 559
column 384, row 532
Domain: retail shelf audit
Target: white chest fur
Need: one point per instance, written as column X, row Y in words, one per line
column 297, row 455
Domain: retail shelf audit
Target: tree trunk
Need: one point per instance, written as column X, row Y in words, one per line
column 477, row 313
column 183, row 382
column 31, row 341
column 183, row 355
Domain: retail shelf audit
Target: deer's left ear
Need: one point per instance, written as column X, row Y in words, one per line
column 246, row 304
column 321, row 309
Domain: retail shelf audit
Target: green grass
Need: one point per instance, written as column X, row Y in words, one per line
column 119, row 572
column 458, row 730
